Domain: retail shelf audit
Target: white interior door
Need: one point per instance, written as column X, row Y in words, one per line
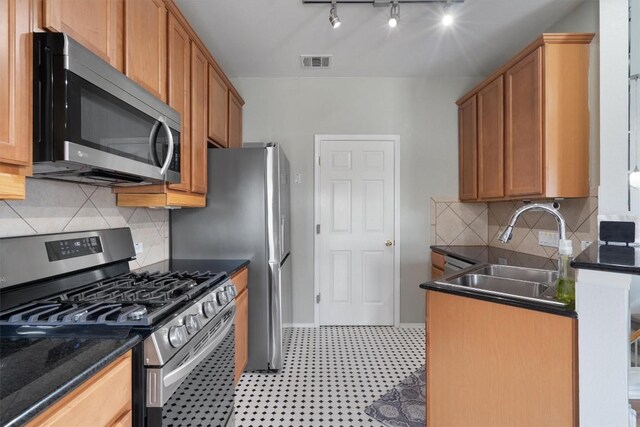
column 356, row 212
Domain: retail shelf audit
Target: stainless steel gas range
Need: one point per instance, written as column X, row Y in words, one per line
column 79, row 284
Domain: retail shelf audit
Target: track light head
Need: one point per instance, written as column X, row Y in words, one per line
column 333, row 16
column 395, row 14
column 447, row 16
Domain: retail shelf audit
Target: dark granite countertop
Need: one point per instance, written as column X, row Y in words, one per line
column 616, row 259
column 492, row 255
column 230, row 266
column 36, row 372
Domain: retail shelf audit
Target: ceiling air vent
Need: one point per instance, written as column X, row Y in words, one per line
column 315, row 61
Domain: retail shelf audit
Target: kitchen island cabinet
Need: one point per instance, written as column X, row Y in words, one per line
column 493, row 364
column 531, row 125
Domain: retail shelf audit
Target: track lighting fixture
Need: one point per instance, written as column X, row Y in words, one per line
column 395, row 14
column 333, row 15
column 447, row 16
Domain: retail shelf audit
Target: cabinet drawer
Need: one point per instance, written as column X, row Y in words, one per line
column 436, row 273
column 240, row 279
column 103, row 400
column 437, row 260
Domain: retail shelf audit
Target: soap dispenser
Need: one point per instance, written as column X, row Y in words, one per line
column 566, row 283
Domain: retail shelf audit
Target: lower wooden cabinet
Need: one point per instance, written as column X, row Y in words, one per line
column 491, row 364
column 102, row 401
column 242, row 321
column 437, row 265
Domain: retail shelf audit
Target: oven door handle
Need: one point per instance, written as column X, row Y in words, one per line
column 152, row 144
column 180, row 373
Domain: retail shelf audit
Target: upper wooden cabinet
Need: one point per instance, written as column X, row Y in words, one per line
column 491, row 140
column 468, row 149
column 235, row 122
column 532, row 124
column 179, row 59
column 16, row 88
column 96, row 24
column 145, row 45
column 218, row 108
column 199, row 69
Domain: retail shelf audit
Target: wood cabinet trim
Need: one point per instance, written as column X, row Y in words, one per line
column 199, row 119
column 242, row 333
column 545, row 38
column 437, row 260
column 12, row 187
column 240, row 279
column 159, row 200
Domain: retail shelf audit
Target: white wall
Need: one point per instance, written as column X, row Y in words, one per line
column 422, row 111
column 614, row 107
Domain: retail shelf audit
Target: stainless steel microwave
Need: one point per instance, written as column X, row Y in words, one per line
column 94, row 125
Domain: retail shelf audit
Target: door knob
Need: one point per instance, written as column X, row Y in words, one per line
column 388, row 243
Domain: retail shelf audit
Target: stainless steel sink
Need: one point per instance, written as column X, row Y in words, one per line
column 517, row 282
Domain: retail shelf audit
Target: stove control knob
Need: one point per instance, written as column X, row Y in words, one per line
column 222, row 298
column 177, row 336
column 192, row 323
column 209, row 309
column 231, row 291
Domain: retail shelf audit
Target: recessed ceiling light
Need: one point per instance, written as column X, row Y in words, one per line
column 333, row 15
column 395, row 14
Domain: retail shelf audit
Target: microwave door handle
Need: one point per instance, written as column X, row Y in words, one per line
column 167, row 160
column 152, row 142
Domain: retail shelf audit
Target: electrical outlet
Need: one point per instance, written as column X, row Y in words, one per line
column 584, row 244
column 139, row 248
column 548, row 238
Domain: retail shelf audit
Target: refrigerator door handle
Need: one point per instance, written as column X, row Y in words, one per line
column 275, row 323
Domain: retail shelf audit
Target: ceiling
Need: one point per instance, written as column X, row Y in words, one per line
column 265, row 38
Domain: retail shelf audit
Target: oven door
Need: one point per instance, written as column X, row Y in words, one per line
column 196, row 387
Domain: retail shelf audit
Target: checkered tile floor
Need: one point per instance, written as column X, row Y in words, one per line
column 330, row 375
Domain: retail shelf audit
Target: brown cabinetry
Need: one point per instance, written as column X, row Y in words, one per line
column 218, row 124
column 102, row 401
column 199, row 68
column 468, row 149
column 235, row 122
column 491, row 140
column 532, row 129
column 515, row 366
column 96, row 24
column 15, row 96
column 437, row 265
column 240, row 280
column 145, row 45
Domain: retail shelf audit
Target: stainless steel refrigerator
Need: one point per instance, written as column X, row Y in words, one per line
column 247, row 216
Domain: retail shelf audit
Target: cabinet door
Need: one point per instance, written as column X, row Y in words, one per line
column 523, row 138
column 15, row 82
column 96, row 24
column 179, row 96
column 146, row 45
column 218, row 108
column 436, row 273
column 199, row 66
column 491, row 140
column 467, row 146
column 242, row 333
column 510, row 362
column 235, row 122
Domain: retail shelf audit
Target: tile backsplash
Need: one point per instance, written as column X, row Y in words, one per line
column 53, row 207
column 455, row 223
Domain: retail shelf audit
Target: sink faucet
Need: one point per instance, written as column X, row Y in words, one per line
column 551, row 208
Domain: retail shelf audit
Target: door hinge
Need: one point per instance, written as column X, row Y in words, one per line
column 317, row 228
column 318, row 299
column 318, row 160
